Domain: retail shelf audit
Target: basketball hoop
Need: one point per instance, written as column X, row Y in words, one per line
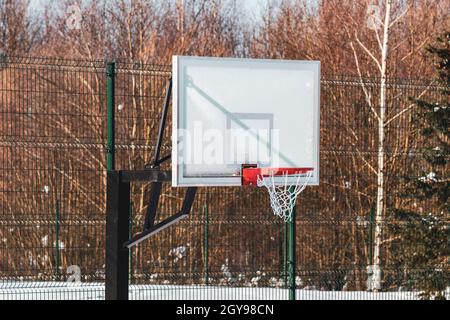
column 283, row 184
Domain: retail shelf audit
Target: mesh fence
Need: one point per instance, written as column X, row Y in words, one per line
column 53, row 138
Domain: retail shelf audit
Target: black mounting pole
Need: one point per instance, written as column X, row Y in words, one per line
column 117, row 233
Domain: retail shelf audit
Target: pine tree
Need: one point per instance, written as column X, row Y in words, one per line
column 423, row 251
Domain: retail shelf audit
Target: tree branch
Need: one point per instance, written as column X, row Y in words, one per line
column 368, row 52
column 400, row 16
column 366, row 93
column 409, row 107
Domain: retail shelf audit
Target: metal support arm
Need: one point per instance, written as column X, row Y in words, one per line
column 157, row 177
column 153, row 229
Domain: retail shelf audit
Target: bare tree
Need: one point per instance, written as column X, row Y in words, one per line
column 388, row 15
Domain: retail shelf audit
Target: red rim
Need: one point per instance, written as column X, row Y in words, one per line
column 250, row 175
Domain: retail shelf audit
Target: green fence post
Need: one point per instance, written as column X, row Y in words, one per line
column 57, row 259
column 130, row 235
column 371, row 223
column 292, row 255
column 285, row 255
column 206, row 244
column 110, row 106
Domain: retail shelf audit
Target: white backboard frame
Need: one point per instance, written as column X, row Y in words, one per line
column 179, row 178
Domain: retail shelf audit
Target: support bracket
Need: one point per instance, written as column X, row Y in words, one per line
column 118, row 240
column 157, row 177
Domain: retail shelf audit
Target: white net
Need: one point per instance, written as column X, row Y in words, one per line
column 283, row 197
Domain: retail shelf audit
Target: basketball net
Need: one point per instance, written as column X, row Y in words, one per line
column 284, row 197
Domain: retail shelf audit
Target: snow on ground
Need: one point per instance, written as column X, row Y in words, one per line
column 94, row 291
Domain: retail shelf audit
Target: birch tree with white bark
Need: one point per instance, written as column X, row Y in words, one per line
column 382, row 18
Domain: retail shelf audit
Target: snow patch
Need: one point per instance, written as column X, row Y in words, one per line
column 20, row 290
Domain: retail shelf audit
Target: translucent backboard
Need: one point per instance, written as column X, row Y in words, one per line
column 230, row 112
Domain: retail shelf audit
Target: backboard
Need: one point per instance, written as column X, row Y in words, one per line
column 232, row 112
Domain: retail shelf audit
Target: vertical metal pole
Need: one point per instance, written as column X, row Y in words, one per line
column 110, row 107
column 285, row 255
column 292, row 255
column 130, row 235
column 117, row 233
column 282, row 256
column 206, row 244
column 57, row 259
column 371, row 223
